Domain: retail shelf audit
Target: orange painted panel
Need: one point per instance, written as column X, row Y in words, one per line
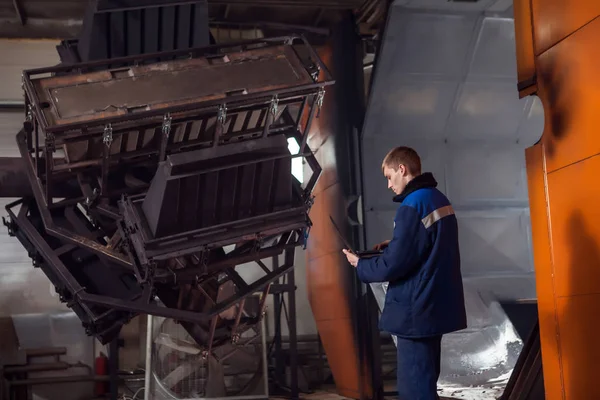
column 562, row 171
column 536, row 178
column 524, row 36
column 553, row 20
column 338, row 338
column 323, row 240
column 329, row 278
column 575, row 228
column 579, row 326
column 569, row 87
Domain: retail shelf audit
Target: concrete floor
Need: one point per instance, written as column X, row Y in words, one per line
column 330, row 394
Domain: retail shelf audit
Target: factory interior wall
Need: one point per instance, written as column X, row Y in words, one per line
column 31, row 315
column 23, row 289
column 446, row 85
column 447, row 88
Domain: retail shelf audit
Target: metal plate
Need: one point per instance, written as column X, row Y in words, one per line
column 94, row 96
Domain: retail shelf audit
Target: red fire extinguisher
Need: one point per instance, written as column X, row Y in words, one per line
column 101, row 369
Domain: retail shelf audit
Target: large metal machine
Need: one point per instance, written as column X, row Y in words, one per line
column 154, row 175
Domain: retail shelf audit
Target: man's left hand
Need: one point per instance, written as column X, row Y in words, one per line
column 352, row 258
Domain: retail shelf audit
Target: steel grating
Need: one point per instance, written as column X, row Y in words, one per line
column 162, row 174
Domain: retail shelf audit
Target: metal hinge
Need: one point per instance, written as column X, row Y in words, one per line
column 166, row 125
column 274, row 105
column 222, row 114
column 29, row 115
column 320, row 98
column 107, row 137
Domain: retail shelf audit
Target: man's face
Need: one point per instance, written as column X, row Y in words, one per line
column 397, row 179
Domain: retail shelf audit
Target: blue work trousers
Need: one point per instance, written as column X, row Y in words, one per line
column 418, row 368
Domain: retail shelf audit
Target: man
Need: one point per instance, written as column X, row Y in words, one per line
column 421, row 262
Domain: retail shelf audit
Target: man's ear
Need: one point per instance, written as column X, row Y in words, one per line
column 402, row 169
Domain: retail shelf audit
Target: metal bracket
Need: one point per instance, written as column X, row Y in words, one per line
column 50, row 144
column 274, row 105
column 166, row 125
column 10, row 225
column 166, row 131
column 221, row 117
column 107, row 137
column 310, row 200
column 91, row 199
column 258, row 243
column 320, row 98
column 222, row 114
column 29, row 115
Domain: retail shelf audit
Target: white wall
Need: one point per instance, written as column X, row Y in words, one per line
column 23, row 289
column 304, row 317
column 26, row 294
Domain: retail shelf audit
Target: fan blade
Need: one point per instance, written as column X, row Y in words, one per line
column 215, row 384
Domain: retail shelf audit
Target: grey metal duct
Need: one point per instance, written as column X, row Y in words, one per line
column 445, row 85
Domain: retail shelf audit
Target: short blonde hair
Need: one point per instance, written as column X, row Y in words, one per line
column 402, row 156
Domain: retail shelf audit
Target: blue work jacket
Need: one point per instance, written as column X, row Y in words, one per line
column 425, row 295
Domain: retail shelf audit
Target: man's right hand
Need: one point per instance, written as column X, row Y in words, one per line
column 381, row 245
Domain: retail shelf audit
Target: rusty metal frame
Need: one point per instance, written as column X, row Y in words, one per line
column 222, row 49
column 42, row 181
column 111, row 128
column 120, row 311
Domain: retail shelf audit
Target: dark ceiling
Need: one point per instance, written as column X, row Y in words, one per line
column 62, row 18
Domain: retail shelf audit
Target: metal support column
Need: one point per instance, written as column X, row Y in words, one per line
column 277, row 339
column 113, row 367
column 282, row 292
column 289, row 260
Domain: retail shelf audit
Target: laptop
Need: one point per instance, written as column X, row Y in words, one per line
column 362, row 254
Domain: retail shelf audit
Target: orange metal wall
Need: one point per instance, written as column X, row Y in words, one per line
column 557, row 44
column 328, row 276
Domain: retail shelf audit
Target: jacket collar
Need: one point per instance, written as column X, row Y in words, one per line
column 425, row 180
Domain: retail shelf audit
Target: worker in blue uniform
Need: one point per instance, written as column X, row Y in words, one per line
column 425, row 297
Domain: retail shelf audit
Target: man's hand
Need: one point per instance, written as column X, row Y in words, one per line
column 382, row 245
column 352, row 258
